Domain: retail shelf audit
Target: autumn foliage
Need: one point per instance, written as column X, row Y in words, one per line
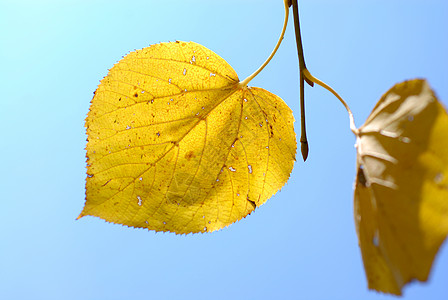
column 176, row 142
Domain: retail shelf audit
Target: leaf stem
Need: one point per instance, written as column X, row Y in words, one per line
column 244, row 83
column 304, row 147
column 302, row 65
column 310, row 77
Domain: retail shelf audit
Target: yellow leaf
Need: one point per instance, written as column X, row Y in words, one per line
column 176, row 143
column 401, row 193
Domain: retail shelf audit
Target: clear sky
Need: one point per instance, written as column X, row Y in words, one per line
column 301, row 244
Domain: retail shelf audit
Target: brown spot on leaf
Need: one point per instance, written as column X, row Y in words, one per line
column 251, row 202
column 361, row 176
column 190, row 155
column 135, row 95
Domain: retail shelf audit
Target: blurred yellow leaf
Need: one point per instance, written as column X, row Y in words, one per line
column 401, row 193
column 176, row 143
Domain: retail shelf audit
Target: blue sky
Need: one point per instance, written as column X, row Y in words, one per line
column 300, row 245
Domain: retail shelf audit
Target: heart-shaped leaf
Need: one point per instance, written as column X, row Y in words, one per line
column 176, row 143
